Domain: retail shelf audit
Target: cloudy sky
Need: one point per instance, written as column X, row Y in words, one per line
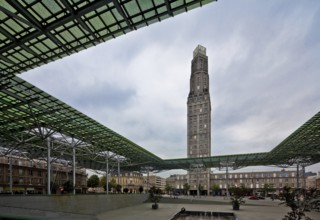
column 264, row 63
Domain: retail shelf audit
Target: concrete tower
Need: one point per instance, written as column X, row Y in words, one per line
column 199, row 121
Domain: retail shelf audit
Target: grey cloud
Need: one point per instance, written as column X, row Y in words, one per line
column 264, row 74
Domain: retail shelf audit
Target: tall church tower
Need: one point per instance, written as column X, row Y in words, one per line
column 199, row 120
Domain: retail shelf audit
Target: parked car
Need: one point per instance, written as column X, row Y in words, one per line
column 261, row 197
column 253, row 198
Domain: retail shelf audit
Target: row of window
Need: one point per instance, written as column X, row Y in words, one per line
column 272, row 180
column 257, row 175
column 200, row 110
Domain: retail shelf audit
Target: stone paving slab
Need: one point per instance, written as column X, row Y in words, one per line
column 252, row 210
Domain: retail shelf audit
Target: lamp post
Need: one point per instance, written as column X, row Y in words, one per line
column 226, row 165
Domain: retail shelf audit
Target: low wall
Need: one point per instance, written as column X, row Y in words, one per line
column 90, row 205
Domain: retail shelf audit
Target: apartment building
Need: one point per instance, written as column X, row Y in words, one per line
column 153, row 180
column 255, row 181
column 130, row 180
column 30, row 176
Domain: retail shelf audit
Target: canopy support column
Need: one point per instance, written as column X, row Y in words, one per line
column 148, row 180
column 10, row 167
column 73, row 167
column 198, row 181
column 298, row 176
column 227, row 181
column 119, row 171
column 303, row 176
column 48, row 167
column 107, row 172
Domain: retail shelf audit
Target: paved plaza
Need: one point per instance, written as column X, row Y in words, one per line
column 252, row 210
column 104, row 209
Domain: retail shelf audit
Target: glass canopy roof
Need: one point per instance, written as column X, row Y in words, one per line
column 33, row 33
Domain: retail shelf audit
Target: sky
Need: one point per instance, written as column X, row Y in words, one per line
column 264, row 62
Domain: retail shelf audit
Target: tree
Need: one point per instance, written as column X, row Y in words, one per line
column 53, row 187
column 215, row 187
column 102, row 182
column 112, row 184
column 168, row 188
column 238, row 192
column 140, row 189
column 186, row 187
column 67, row 186
column 200, row 188
column 155, row 196
column 93, row 181
column 267, row 188
column 118, row 188
column 300, row 201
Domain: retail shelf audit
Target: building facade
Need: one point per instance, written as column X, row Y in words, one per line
column 153, row 180
column 254, row 181
column 30, row 176
column 130, row 180
column 199, row 120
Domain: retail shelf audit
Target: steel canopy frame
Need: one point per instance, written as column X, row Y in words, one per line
column 28, row 112
column 33, row 33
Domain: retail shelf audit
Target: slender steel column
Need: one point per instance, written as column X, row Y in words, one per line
column 73, row 167
column 107, row 172
column 118, row 170
column 148, row 179
column 67, row 170
column 298, row 176
column 198, row 181
column 227, row 180
column 48, row 167
column 303, row 176
column 10, row 167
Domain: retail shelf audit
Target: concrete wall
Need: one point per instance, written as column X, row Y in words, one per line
column 87, row 205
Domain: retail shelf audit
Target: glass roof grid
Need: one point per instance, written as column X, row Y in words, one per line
column 300, row 134
column 131, row 8
column 53, row 6
column 39, row 7
column 62, row 16
column 177, row 3
column 145, row 5
column 13, row 27
column 159, row 2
